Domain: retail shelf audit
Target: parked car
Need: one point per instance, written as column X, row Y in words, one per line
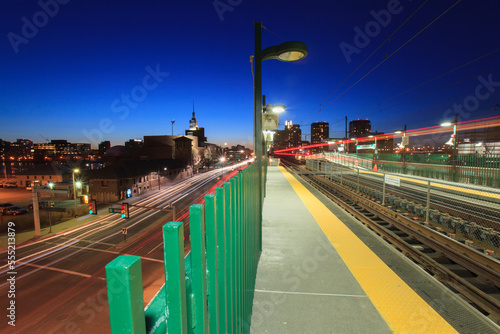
column 3, row 206
column 10, row 185
column 41, row 204
column 15, row 210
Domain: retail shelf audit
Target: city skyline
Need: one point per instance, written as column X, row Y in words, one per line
column 89, row 72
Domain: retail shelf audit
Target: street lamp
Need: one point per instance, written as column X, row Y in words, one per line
column 270, row 121
column 287, row 52
column 159, row 176
column 222, row 159
column 277, row 108
column 453, row 141
column 74, row 187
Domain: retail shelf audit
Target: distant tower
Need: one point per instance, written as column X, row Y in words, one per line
column 319, row 131
column 195, row 130
column 292, row 134
column 193, row 123
column 359, row 127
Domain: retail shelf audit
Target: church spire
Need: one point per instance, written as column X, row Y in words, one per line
column 193, row 123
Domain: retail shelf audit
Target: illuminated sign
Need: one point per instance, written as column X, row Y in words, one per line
column 366, row 147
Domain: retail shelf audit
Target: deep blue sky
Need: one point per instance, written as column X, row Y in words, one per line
column 63, row 81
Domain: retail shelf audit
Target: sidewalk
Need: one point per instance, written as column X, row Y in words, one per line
column 303, row 285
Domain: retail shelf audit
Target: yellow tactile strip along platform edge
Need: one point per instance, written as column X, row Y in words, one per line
column 400, row 306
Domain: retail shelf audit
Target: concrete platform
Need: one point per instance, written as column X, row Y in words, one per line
column 306, row 285
column 303, row 286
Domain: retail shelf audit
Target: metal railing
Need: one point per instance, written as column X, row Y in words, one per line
column 212, row 288
column 479, row 169
column 469, row 211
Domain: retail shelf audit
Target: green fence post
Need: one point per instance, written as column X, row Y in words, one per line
column 199, row 269
column 221, row 257
column 234, row 277
column 244, row 246
column 229, row 253
column 175, row 271
column 239, row 249
column 212, row 265
column 126, row 301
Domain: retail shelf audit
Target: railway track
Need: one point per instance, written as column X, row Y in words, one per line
column 474, row 217
column 471, row 274
column 481, row 214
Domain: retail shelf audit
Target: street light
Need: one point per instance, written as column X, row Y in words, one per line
column 222, row 159
column 453, row 141
column 159, row 176
column 287, row 52
column 74, row 187
column 277, row 108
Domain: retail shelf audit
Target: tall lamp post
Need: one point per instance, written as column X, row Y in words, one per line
column 287, row 52
column 74, row 188
column 454, row 138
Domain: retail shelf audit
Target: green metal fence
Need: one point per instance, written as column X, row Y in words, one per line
column 209, row 290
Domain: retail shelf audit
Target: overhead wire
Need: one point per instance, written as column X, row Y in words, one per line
column 274, row 33
column 392, row 54
column 437, row 89
column 368, row 58
column 423, row 94
column 427, row 82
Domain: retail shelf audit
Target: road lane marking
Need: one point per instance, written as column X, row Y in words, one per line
column 116, row 253
column 151, row 251
column 99, row 243
column 65, row 271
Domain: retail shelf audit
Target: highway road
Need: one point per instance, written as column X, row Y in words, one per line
column 60, row 283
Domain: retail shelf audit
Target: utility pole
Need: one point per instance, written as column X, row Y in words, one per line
column 346, row 128
column 173, row 121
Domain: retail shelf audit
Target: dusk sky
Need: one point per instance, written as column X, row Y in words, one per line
column 115, row 70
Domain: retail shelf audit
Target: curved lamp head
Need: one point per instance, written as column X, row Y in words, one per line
column 278, row 108
column 288, row 51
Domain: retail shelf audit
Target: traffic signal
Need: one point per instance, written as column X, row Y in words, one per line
column 124, row 211
column 92, row 207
